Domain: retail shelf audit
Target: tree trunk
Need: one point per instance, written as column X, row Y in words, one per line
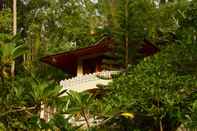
column 113, row 11
column 1, row 5
column 14, row 17
column 126, row 34
column 13, row 68
column 160, row 125
column 14, row 33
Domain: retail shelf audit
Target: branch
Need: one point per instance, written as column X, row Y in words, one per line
column 18, row 110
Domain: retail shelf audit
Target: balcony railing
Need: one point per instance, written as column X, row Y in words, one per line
column 87, row 81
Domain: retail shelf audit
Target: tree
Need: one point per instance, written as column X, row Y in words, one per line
column 158, row 25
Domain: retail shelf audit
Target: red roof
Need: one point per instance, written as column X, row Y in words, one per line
column 67, row 61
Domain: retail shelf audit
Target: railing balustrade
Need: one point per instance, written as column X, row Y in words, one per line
column 77, row 81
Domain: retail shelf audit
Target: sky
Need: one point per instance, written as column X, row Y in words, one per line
column 94, row 1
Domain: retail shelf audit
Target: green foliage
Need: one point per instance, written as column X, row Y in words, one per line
column 162, row 86
column 9, row 52
column 5, row 21
column 145, row 21
column 187, row 30
column 59, row 27
column 79, row 104
column 10, row 49
column 160, row 90
column 21, row 103
column 62, row 123
column 57, row 122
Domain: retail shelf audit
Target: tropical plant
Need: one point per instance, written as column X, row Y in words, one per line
column 21, row 103
column 79, row 105
column 8, row 54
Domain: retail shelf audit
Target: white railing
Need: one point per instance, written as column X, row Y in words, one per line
column 87, row 81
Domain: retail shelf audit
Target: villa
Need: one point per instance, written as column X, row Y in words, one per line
column 84, row 65
column 87, row 66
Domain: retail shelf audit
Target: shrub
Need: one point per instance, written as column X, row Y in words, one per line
column 161, row 87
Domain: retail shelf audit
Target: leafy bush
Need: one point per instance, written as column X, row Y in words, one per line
column 162, row 87
column 21, row 100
